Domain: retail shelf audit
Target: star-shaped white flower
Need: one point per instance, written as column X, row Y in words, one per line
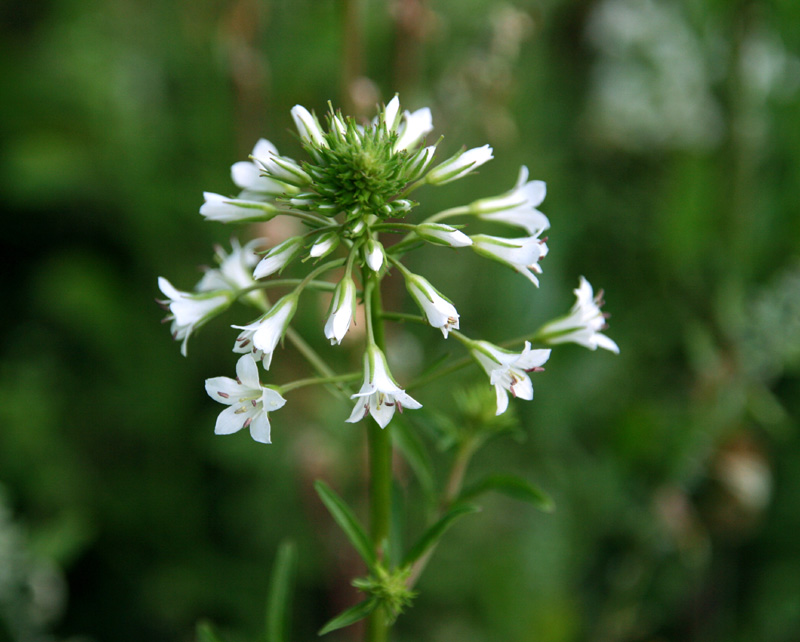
column 508, row 370
column 190, row 310
column 583, row 323
column 380, row 395
column 249, row 403
column 516, row 207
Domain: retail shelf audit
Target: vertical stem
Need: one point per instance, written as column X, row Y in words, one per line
column 380, row 467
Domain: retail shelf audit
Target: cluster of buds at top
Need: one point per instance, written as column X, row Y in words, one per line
column 355, row 187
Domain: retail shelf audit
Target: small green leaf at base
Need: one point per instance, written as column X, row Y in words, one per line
column 350, row 616
column 347, row 521
column 511, row 486
column 432, row 536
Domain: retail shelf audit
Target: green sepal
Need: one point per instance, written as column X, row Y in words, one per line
column 206, row 633
column 279, row 595
column 350, row 616
column 432, row 536
column 511, row 486
column 347, row 521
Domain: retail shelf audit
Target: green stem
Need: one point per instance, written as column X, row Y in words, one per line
column 311, row 381
column 380, row 463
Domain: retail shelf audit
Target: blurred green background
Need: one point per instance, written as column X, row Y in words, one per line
column 669, row 136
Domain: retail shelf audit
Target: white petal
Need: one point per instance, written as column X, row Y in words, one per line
column 502, row 400
column 229, row 421
column 381, row 412
column 360, row 410
column 223, row 389
column 247, row 371
column 260, row 429
column 604, row 342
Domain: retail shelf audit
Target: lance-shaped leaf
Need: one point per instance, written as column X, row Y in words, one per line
column 511, row 486
column 350, row 616
column 279, row 596
column 206, row 633
column 432, row 536
column 348, row 523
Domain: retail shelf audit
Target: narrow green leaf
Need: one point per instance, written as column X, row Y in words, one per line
column 416, row 456
column 279, row 596
column 511, row 486
column 206, row 633
column 350, row 616
column 343, row 516
column 431, row 536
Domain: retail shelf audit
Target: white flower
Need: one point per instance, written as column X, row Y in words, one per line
column 373, row 255
column 439, row 311
column 413, row 127
column 508, row 370
column 278, row 257
column 308, row 127
column 190, row 310
column 517, row 207
column 235, row 271
column 441, row 234
column 284, row 169
column 247, row 175
column 343, row 307
column 261, row 337
column 248, row 401
column 379, row 395
column 235, row 210
column 459, row 165
column 390, row 113
column 521, row 254
column 324, row 244
column 583, row 323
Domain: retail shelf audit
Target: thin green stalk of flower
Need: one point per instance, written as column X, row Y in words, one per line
column 310, row 381
column 322, row 286
column 308, row 217
column 453, row 487
column 403, row 317
column 435, row 218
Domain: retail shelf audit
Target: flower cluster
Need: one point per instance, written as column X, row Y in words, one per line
column 354, row 188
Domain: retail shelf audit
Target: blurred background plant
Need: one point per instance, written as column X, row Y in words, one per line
column 667, row 129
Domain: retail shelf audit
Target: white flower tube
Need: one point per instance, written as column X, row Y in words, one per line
column 278, row 257
column 324, row 244
column 583, row 323
column 373, row 255
column 508, row 370
column 459, row 165
column 441, row 234
column 261, row 337
column 249, row 403
column 235, row 210
column 342, row 310
column 413, row 128
column 439, row 312
column 308, row 127
column 520, row 254
column 379, row 395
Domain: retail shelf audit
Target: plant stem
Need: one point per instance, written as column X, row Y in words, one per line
column 380, row 467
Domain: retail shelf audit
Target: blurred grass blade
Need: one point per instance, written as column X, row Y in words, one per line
column 416, row 455
column 280, row 593
column 350, row 616
column 511, row 486
column 434, row 533
column 206, row 633
column 347, row 521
